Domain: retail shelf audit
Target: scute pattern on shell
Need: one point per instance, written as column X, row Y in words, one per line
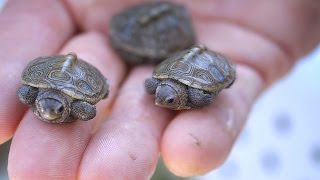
column 82, row 81
column 209, row 71
column 151, row 31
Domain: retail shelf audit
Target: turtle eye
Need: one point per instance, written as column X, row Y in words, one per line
column 170, row 100
column 206, row 92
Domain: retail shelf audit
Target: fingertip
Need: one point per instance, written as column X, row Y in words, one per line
column 188, row 149
column 95, row 15
column 53, row 151
column 27, row 30
column 40, row 150
column 120, row 151
column 199, row 140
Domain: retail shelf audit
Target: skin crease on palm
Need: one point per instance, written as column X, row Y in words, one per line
column 262, row 37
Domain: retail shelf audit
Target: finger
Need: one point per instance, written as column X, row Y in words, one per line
column 56, row 150
column 127, row 145
column 293, row 25
column 28, row 29
column 96, row 14
column 199, row 140
column 196, row 142
column 301, row 17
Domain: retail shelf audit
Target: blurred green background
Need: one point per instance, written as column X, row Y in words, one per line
column 4, row 150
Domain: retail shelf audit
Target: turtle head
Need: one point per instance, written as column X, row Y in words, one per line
column 171, row 95
column 50, row 109
column 52, row 106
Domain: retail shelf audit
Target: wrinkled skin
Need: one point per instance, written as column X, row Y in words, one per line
column 262, row 37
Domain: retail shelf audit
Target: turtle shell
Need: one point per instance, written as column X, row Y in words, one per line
column 198, row 68
column 150, row 32
column 80, row 81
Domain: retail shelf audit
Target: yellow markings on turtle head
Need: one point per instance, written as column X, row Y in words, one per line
column 70, row 60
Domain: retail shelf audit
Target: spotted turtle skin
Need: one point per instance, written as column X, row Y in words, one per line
column 198, row 68
column 151, row 32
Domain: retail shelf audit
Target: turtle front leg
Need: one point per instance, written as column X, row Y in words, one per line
column 151, row 85
column 199, row 98
column 83, row 110
column 27, row 94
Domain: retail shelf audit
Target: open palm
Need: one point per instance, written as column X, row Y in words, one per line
column 262, row 37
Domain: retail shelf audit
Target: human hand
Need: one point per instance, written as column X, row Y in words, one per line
column 263, row 38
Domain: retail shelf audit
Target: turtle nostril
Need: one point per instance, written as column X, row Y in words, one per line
column 60, row 110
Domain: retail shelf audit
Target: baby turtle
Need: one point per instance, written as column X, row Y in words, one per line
column 190, row 79
column 62, row 88
column 150, row 32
